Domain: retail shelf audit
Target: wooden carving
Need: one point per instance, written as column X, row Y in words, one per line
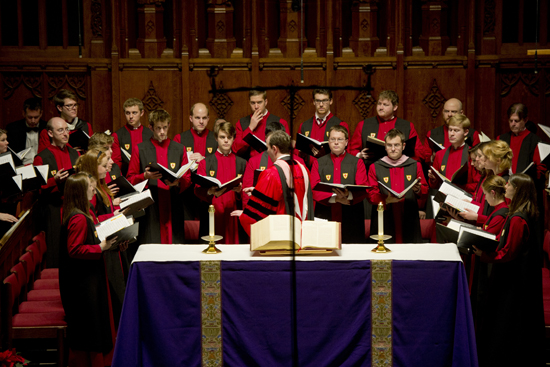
column 221, row 103
column 76, row 81
column 11, row 82
column 298, row 104
column 221, row 39
column 151, row 100
column 290, row 34
column 97, row 19
column 151, row 42
column 434, row 39
column 509, row 80
column 364, row 103
column 434, row 100
column 364, row 39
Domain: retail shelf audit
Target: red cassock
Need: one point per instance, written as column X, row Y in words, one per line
column 449, row 160
column 241, row 147
column 226, row 225
column 163, row 222
column 427, row 150
column 268, row 198
column 120, row 136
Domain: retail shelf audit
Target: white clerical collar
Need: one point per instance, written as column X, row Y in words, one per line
column 225, row 155
column 283, row 156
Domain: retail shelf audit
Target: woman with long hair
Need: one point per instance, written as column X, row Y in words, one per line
column 511, row 326
column 82, row 278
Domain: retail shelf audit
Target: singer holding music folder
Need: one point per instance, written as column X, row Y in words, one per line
column 510, row 332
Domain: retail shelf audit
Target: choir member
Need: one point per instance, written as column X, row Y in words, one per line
column 510, row 332
column 523, row 143
column 342, row 168
column 270, row 195
column 318, row 126
column 378, row 127
column 200, row 143
column 225, row 166
column 60, row 158
column 262, row 161
column 105, row 142
column 450, row 160
column 66, row 103
column 254, row 124
column 130, row 135
column 163, row 221
column 398, row 172
column 7, row 210
column 494, row 189
column 440, row 134
column 24, row 133
column 82, row 279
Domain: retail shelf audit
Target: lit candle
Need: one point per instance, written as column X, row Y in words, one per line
column 211, row 211
column 380, row 219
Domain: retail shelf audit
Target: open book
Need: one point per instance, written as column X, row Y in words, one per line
column 126, row 189
column 275, row 233
column 434, row 145
column 449, row 233
column 304, row 143
column 168, row 174
column 137, row 202
column 460, row 204
column 79, row 139
column 208, row 182
column 118, row 226
column 460, row 177
column 484, row 241
column 544, row 151
column 255, row 142
column 33, row 176
column 328, row 187
column 7, row 165
column 125, row 152
column 18, row 157
column 11, row 186
column 448, row 188
column 376, row 147
column 398, row 195
column 546, row 129
column 483, row 138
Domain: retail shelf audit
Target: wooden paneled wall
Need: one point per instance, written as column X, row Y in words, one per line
column 165, row 52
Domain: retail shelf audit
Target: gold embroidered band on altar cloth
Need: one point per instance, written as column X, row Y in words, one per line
column 381, row 311
column 211, row 313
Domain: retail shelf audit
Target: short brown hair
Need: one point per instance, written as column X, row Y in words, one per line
column 394, row 133
column 130, row 102
column 281, row 140
column 226, row 127
column 460, row 120
column 326, row 92
column 525, row 198
column 519, row 109
column 257, row 92
column 390, row 95
column 159, row 115
column 59, row 98
column 100, row 139
column 340, row 129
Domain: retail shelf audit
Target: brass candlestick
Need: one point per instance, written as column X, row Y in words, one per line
column 380, row 237
column 211, row 238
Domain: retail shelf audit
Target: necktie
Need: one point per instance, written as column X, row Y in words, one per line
column 320, row 121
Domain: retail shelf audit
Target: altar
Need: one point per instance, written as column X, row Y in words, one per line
column 409, row 307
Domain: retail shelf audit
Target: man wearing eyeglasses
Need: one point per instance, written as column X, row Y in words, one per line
column 342, row 206
column 319, row 125
column 60, row 158
column 66, row 102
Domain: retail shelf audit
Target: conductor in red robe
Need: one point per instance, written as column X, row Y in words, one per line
column 271, row 194
column 224, row 165
column 398, row 172
column 163, row 221
column 343, row 206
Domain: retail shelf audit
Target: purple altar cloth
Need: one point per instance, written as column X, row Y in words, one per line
column 161, row 319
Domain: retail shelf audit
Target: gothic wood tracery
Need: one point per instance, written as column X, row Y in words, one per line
column 434, row 101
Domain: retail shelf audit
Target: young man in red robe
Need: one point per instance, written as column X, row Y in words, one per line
column 225, row 166
column 440, row 134
column 450, row 160
column 254, row 124
column 271, row 193
column 378, row 127
column 342, row 206
column 130, row 135
column 398, row 172
column 163, row 221
column 319, row 125
column 60, row 158
column 66, row 103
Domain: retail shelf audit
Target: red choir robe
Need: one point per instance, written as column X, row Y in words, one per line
column 357, row 142
column 268, row 197
column 163, row 221
column 351, row 216
column 84, row 288
column 44, row 139
column 226, row 225
column 137, row 135
column 456, row 158
column 522, row 156
column 199, row 142
column 241, row 147
column 395, row 214
column 472, row 135
column 261, row 162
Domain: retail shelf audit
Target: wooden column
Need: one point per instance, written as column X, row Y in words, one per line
column 364, row 39
column 96, row 11
column 488, row 24
column 151, row 42
column 221, row 39
column 434, row 39
column 291, row 23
